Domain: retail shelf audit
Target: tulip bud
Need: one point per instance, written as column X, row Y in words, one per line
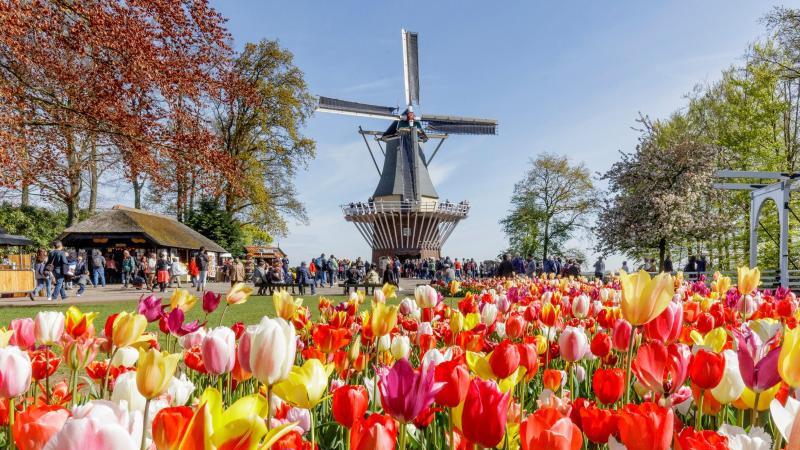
column 456, row 322
column 15, row 372
column 48, row 327
column 580, row 306
column 127, row 329
column 622, row 335
column 125, row 357
column 384, row 343
column 355, row 348
column 154, row 372
column 488, row 314
column 401, row 347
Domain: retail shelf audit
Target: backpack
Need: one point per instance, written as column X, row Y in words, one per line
column 331, row 264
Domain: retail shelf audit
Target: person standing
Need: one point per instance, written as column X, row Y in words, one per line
column 58, row 260
column 625, row 266
column 98, row 269
column 237, row 271
column 176, row 270
column 599, row 268
column 81, row 275
column 260, row 277
column 506, row 268
column 44, row 276
column 332, row 266
column 162, row 271
column 201, row 260
column 128, row 268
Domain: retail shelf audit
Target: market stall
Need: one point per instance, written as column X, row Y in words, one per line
column 16, row 268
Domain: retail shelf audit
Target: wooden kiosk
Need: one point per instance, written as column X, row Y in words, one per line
column 16, row 267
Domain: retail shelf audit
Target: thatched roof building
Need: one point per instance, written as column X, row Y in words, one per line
column 129, row 227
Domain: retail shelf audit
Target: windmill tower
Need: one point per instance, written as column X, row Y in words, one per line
column 404, row 216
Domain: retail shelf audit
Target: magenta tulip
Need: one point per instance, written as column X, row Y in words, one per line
column 211, row 301
column 406, row 392
column 757, row 363
column 219, row 350
column 150, row 307
column 24, row 335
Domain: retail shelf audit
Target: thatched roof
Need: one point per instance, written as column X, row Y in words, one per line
column 163, row 231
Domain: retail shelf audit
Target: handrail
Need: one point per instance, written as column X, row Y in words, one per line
column 360, row 208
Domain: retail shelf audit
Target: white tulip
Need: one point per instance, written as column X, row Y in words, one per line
column 379, row 296
column 783, row 416
column 580, row 306
column 435, row 357
column 384, row 343
column 48, row 327
column 126, row 357
column 194, row 338
column 426, row 296
column 272, row 350
column 126, row 393
column 500, row 329
column 180, row 390
column 739, row 439
column 401, row 347
column 488, row 314
column 732, row 384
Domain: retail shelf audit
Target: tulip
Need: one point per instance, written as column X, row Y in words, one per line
column 426, row 296
column 548, row 429
column 125, row 357
column 349, row 404
column 655, row 364
column 731, row 386
column 405, row 392
column 488, row 314
column 706, row 369
column 48, row 327
column 219, row 350
column 580, row 306
column 608, row 385
column 127, row 329
column 573, row 344
column 598, row 424
column 738, row 438
column 150, row 307
column 377, row 432
column 515, row 326
column 784, row 416
column 211, row 301
column 154, row 372
column 691, row 439
column 789, row 358
column 483, row 418
column 504, row 360
column 272, row 350
column 666, row 327
column 76, row 323
column 643, row 298
column 169, row 424
column 329, row 339
column 34, row 426
column 400, row 347
column 646, row 426
column 238, row 294
column 409, row 308
column 98, row 424
column 180, row 389
column 24, row 335
column 182, row 299
column 15, row 372
column 126, row 389
column 383, row 318
column 621, row 335
column 285, row 304
column 749, row 279
column 454, row 377
column 601, row 345
column 552, row 379
column 757, row 363
column 456, row 322
column 304, row 387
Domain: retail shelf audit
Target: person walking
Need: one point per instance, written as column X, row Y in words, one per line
column 98, row 269
column 176, row 270
column 193, row 270
column 237, row 272
column 163, row 265
column 150, row 271
column 201, row 260
column 599, row 268
column 260, row 277
column 506, row 268
column 128, row 268
column 44, row 277
column 57, row 259
column 81, row 275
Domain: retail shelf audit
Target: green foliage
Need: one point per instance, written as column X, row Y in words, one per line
column 213, row 222
column 548, row 206
column 41, row 225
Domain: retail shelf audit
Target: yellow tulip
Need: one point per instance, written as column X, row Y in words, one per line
column 720, row 284
column 127, row 329
column 455, row 286
column 749, row 280
column 456, row 321
column 643, row 298
column 713, row 340
column 154, row 372
column 389, row 290
column 749, row 397
column 77, row 323
column 182, row 299
column 285, row 304
column 789, row 358
column 471, row 321
column 383, row 318
column 238, row 294
column 306, row 384
column 541, row 344
column 5, row 336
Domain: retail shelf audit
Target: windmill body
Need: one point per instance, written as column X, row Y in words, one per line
column 404, row 217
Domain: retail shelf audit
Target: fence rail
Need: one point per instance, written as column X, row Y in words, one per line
column 361, row 208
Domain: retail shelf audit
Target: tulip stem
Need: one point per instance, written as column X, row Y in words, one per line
column 402, row 435
column 223, row 314
column 699, row 419
column 628, row 368
column 105, row 377
column 269, row 407
column 47, row 373
column 313, row 430
column 144, row 423
column 754, row 419
column 12, row 410
column 452, row 431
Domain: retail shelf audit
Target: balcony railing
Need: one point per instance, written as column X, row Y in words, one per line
column 446, row 207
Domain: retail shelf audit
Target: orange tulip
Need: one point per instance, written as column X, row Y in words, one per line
column 34, row 426
column 169, row 425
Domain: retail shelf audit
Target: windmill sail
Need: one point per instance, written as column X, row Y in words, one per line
column 333, row 105
column 459, row 125
column 411, row 67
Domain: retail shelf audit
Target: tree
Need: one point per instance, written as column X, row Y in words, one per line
column 212, row 221
column 549, row 204
column 40, row 225
column 661, row 193
column 259, row 121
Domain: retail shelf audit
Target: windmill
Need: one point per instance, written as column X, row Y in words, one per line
column 404, row 216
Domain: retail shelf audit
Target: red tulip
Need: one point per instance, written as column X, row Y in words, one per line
column 705, row 323
column 548, row 429
column 666, row 327
column 424, row 419
column 646, row 426
column 515, row 326
column 483, row 419
column 601, row 345
column 455, row 376
column 349, row 404
column 706, row 369
column 504, row 360
column 608, row 385
column 330, row 339
column 621, row 335
column 691, row 439
column 598, row 424
column 34, row 426
column 44, row 363
column 660, row 369
column 528, row 359
column 376, row 432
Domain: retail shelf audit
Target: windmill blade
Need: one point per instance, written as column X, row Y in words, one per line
column 459, row 125
column 336, row 106
column 411, row 67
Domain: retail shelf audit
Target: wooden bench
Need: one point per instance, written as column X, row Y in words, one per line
column 346, row 287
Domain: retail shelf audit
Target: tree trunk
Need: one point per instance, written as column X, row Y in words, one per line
column 72, row 199
column 662, row 252
column 546, row 240
column 137, row 192
column 25, row 194
column 93, row 179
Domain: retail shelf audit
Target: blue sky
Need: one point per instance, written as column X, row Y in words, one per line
column 561, row 77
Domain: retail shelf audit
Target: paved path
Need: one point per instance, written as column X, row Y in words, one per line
column 116, row 293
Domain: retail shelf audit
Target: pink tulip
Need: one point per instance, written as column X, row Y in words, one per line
column 243, row 350
column 662, row 369
column 573, row 344
column 580, row 306
column 406, row 392
column 621, row 335
column 211, row 301
column 24, row 335
column 15, row 372
column 150, row 307
column 666, row 327
column 99, row 425
column 219, row 350
column 189, row 340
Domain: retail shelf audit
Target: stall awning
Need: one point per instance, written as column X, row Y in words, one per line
column 13, row 239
